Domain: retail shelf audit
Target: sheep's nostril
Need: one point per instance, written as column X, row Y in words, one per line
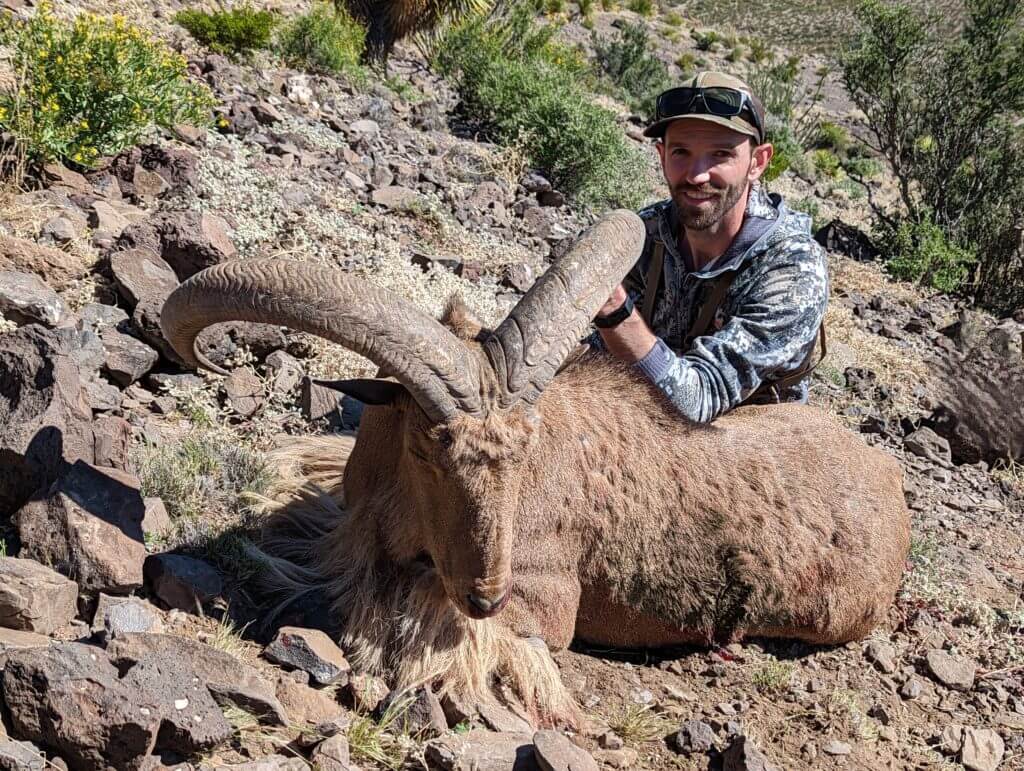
column 485, row 605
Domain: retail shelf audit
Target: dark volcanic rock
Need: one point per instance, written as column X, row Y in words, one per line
column 88, row 526
column 45, row 420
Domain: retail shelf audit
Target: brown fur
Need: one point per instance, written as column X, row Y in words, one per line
column 610, row 520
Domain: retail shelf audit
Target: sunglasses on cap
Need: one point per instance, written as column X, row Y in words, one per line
column 721, row 101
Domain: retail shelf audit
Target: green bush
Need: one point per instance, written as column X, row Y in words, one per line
column 826, row 162
column 638, row 76
column 921, row 252
column 586, row 7
column 673, row 19
column 510, row 79
column 92, row 87
column 833, row 137
column 326, row 39
column 236, row 32
column 943, row 107
column 735, row 54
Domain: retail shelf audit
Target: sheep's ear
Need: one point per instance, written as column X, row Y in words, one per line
column 368, row 391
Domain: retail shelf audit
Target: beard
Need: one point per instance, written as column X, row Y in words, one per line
column 710, row 214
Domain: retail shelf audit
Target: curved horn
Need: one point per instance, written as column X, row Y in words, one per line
column 528, row 347
column 441, row 373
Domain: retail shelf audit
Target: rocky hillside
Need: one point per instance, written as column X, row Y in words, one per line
column 133, row 633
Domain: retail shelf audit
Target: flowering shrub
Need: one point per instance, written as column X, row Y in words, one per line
column 92, row 87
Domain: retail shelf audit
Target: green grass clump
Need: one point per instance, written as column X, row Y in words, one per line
column 774, row 677
column 687, row 62
column 237, row 32
column 92, row 87
column 641, row 7
column 326, row 39
column 530, row 93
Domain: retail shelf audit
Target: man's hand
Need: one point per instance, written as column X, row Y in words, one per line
column 614, row 302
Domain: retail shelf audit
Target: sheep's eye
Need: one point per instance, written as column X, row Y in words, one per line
column 445, row 439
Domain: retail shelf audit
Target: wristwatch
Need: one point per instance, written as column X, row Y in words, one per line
column 617, row 316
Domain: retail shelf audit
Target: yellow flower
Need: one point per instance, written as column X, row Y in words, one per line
column 84, row 124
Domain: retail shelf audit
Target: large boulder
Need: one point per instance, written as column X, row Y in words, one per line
column 58, row 268
column 72, row 700
column 88, row 526
column 45, row 420
column 25, row 299
column 191, row 241
column 141, row 273
column 484, row 751
column 229, row 680
column 976, row 405
column 34, row 598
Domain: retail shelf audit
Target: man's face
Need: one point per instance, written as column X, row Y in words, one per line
column 708, row 168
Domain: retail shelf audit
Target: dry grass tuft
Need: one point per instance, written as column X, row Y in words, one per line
column 636, row 723
column 227, row 637
column 898, row 369
column 387, row 741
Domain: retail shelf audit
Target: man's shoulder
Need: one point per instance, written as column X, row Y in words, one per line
column 791, row 242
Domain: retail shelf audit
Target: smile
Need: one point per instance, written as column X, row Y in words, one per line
column 698, row 198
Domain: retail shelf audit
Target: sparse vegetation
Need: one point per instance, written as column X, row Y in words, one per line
column 524, row 89
column 960, row 168
column 203, row 468
column 227, row 637
column 706, row 41
column 89, row 88
column 627, row 62
column 773, row 677
column 687, row 62
column 383, row 741
column 238, row 31
column 788, row 125
column 641, row 7
column 325, row 39
column 637, row 723
column 923, row 253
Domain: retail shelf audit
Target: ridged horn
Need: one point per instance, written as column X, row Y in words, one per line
column 441, row 372
column 528, row 347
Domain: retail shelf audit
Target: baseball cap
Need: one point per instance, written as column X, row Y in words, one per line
column 742, row 111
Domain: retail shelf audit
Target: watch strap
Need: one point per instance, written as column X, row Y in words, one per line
column 617, row 316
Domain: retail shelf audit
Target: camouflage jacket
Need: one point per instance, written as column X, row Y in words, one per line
column 767, row 322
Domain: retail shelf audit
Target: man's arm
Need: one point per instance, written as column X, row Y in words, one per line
column 631, row 340
column 775, row 324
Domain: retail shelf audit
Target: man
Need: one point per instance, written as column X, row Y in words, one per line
column 725, row 304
